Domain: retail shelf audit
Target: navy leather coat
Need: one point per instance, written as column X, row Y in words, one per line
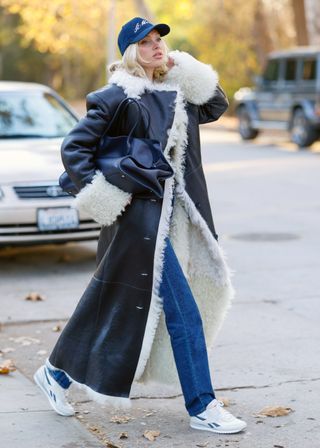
column 116, row 334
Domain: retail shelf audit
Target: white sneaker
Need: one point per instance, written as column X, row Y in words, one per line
column 217, row 419
column 53, row 391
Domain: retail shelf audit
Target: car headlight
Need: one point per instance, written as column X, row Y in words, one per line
column 1, row 194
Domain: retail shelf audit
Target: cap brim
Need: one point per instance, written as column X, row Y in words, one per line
column 162, row 28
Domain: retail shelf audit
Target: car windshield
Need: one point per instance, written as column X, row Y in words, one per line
column 33, row 114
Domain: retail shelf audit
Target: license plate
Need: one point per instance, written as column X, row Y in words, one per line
column 57, row 218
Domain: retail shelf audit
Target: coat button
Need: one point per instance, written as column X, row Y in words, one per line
column 147, row 238
column 123, row 176
column 153, row 200
column 144, row 274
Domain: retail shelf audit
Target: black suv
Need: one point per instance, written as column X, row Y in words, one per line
column 286, row 97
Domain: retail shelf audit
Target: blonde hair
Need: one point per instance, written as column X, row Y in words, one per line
column 129, row 62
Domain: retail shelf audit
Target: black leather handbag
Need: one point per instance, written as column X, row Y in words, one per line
column 136, row 165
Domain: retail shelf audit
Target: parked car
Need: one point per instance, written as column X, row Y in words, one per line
column 33, row 208
column 286, row 96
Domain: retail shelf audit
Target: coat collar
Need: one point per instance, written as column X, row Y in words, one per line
column 134, row 86
column 195, row 80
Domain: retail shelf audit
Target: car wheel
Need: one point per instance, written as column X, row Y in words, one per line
column 302, row 133
column 245, row 127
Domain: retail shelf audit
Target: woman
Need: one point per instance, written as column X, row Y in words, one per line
column 159, row 266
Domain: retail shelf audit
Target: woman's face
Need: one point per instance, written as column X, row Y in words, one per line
column 152, row 53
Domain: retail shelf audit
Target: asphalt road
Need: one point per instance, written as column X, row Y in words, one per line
column 266, row 207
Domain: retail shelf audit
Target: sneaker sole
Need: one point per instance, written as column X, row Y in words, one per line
column 52, row 403
column 218, row 431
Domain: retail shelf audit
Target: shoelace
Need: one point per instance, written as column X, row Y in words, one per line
column 226, row 415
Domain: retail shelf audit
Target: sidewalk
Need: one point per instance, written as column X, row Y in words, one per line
column 27, row 420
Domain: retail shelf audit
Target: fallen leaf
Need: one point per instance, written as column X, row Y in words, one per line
column 225, row 401
column 7, row 366
column 123, row 435
column 111, row 444
column 7, row 350
column 121, row 419
column 278, row 446
column 25, row 340
column 202, row 445
column 151, row 435
column 274, row 411
column 57, row 328
column 42, row 352
column 149, row 414
column 63, row 258
column 34, row 297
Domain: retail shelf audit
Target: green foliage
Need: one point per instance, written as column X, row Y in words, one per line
column 63, row 42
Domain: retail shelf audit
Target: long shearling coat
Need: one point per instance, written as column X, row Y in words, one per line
column 117, row 333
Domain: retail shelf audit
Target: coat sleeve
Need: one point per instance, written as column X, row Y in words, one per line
column 199, row 85
column 214, row 107
column 97, row 197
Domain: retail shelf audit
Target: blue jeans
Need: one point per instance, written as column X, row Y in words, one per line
column 184, row 325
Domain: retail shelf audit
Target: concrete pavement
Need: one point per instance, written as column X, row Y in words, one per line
column 27, row 420
column 266, row 206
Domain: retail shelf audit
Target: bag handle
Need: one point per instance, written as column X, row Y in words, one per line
column 123, row 105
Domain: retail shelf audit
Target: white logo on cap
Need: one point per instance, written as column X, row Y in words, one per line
column 139, row 25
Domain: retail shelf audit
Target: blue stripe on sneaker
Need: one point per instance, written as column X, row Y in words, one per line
column 213, row 425
column 45, row 372
column 60, row 377
column 200, row 418
column 53, row 396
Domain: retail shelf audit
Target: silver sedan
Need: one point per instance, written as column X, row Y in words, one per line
column 33, row 208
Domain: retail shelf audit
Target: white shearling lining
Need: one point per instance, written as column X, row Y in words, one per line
column 103, row 201
column 198, row 81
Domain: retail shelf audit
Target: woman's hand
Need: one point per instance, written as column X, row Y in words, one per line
column 170, row 63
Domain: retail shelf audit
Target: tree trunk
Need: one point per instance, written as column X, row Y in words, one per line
column 261, row 36
column 300, row 22
column 144, row 10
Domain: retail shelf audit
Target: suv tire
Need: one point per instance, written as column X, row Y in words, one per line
column 245, row 127
column 302, row 133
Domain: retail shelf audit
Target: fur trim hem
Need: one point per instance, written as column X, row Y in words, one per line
column 116, row 402
column 103, row 201
column 198, row 81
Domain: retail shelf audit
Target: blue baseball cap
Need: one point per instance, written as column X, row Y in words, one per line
column 136, row 29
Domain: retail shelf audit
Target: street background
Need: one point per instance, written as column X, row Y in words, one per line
column 67, row 44
column 265, row 200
